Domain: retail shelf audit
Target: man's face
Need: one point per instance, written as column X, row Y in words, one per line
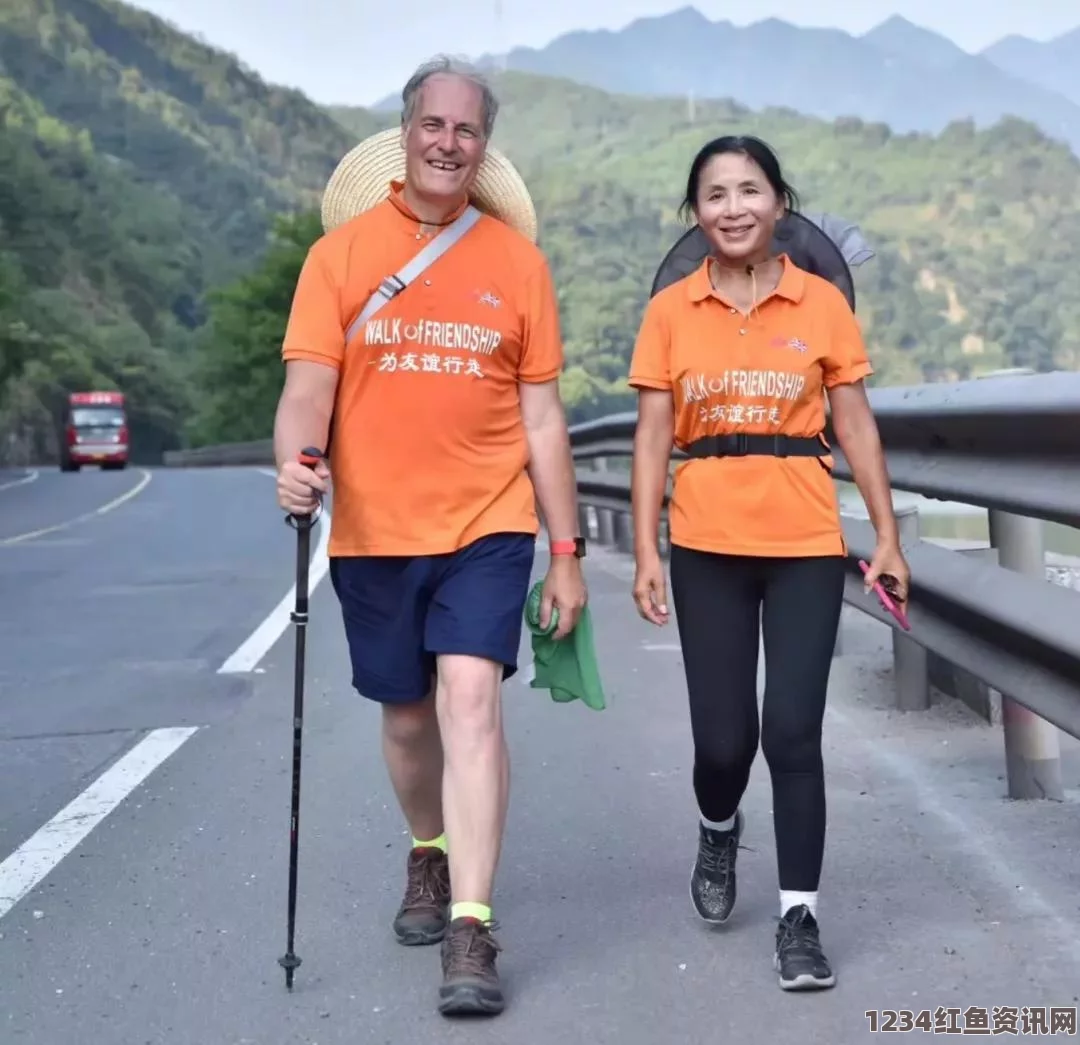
column 444, row 141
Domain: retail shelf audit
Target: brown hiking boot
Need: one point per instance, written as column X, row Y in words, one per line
column 422, row 917
column 470, row 983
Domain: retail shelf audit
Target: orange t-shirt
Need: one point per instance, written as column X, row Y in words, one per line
column 765, row 373
column 428, row 447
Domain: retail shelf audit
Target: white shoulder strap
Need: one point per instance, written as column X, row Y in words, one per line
column 391, row 286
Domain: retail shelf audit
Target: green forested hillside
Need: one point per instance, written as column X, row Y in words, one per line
column 138, row 170
column 175, row 113
column 156, row 200
column 98, row 276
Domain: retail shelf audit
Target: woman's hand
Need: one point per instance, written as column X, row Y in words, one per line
column 891, row 568
column 650, row 588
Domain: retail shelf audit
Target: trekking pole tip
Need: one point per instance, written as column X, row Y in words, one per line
column 290, row 963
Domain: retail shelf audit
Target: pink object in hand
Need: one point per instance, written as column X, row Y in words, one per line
column 883, row 595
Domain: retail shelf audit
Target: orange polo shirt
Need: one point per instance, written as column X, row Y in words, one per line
column 428, row 447
column 765, row 373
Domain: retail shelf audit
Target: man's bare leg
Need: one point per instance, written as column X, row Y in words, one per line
column 476, row 785
column 413, row 752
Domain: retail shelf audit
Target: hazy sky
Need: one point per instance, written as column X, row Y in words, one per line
column 358, row 51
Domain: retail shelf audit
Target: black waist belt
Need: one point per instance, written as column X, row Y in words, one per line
column 742, row 445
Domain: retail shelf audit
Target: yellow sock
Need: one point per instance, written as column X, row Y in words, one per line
column 481, row 912
column 435, row 843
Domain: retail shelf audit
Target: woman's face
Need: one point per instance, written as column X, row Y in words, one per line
column 737, row 208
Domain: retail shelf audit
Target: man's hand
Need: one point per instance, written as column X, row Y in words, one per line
column 564, row 590
column 551, row 469
column 301, row 487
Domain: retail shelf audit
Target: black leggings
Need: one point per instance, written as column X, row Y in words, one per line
column 717, row 601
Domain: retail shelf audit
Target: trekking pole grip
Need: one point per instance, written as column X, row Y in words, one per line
column 310, row 456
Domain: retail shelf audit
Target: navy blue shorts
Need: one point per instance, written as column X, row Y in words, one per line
column 400, row 612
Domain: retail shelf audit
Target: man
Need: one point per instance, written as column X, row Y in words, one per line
column 445, row 427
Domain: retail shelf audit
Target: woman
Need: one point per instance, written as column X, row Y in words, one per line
column 733, row 364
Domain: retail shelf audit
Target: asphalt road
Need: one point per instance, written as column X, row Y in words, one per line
column 115, row 622
column 164, row 925
column 10, row 476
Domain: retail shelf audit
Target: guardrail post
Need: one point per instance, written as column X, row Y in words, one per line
column 605, row 526
column 1032, row 745
column 910, row 660
column 624, row 532
column 605, row 517
column 584, row 527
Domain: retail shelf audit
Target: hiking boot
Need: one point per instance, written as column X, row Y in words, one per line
column 799, row 960
column 470, row 984
column 423, row 914
column 712, row 883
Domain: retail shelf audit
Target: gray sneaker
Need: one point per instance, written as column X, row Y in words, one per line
column 712, row 882
column 424, row 911
column 799, row 960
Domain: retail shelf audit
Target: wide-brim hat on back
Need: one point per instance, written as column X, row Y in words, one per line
column 362, row 181
column 823, row 244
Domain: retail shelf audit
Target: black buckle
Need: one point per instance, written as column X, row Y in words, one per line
column 780, row 446
column 742, row 445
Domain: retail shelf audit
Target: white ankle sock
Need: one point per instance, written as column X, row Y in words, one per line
column 720, row 825
column 790, row 899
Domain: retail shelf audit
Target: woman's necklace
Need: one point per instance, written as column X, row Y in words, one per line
column 735, row 295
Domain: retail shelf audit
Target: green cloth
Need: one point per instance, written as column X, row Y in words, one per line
column 565, row 666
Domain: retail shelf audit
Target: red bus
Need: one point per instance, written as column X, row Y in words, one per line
column 95, row 431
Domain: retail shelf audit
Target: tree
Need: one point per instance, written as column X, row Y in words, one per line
column 238, row 368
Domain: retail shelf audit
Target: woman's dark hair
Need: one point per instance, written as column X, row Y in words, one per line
column 747, row 145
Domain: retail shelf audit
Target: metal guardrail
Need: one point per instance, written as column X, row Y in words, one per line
column 1011, row 445
column 259, row 453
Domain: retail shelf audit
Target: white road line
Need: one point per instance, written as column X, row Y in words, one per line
column 103, row 510
column 29, row 478
column 247, row 656
column 40, row 853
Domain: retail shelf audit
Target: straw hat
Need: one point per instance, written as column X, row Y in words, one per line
column 362, row 181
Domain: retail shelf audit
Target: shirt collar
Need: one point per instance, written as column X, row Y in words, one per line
column 791, row 286
column 399, row 204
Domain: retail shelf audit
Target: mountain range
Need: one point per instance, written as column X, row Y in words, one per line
column 157, row 198
column 899, row 74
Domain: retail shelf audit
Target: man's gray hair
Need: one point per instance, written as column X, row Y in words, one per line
column 448, row 65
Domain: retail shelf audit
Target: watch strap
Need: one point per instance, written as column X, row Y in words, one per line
column 568, row 546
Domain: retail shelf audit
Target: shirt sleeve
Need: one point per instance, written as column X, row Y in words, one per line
column 314, row 331
column 846, row 360
column 541, row 343
column 650, row 365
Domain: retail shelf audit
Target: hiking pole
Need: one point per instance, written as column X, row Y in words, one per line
column 302, row 524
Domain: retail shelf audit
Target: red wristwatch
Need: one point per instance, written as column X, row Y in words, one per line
column 571, row 546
